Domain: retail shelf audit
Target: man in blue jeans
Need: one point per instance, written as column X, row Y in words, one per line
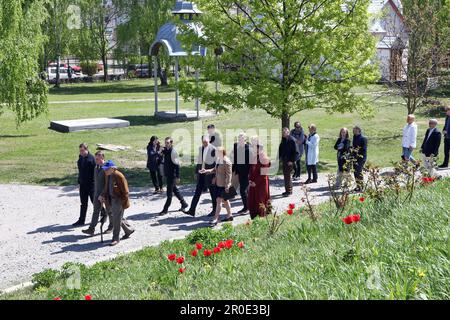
column 409, row 140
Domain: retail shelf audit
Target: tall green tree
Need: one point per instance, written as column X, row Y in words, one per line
column 137, row 33
column 21, row 41
column 57, row 32
column 96, row 38
column 428, row 28
column 284, row 56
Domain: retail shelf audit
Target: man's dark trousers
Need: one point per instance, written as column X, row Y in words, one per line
column 446, row 151
column 201, row 185
column 171, row 190
column 359, row 177
column 86, row 193
column 243, row 186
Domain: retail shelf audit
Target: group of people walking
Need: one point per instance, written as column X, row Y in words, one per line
column 430, row 144
column 296, row 142
column 215, row 172
column 247, row 168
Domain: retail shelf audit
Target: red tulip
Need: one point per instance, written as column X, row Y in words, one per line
column 427, row 179
column 172, row 257
column 207, row 253
column 291, row 205
column 194, row 253
column 290, row 212
column 199, row 246
column 88, row 297
column 217, row 250
column 356, row 217
column 221, row 245
column 181, row 270
column 241, row 244
column 180, row 260
column 362, row 199
column 57, row 298
column 229, row 244
column 347, row 220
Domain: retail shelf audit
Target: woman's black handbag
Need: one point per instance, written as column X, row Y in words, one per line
column 230, row 194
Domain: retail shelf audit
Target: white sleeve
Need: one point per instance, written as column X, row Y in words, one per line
column 413, row 136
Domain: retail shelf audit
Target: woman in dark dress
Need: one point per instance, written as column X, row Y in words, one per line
column 258, row 190
column 154, row 159
column 342, row 145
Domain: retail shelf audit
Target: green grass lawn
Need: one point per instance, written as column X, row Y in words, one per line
column 399, row 250
column 36, row 155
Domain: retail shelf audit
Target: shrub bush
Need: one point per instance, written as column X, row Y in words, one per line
column 89, row 68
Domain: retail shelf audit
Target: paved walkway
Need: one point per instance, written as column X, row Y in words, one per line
column 36, row 231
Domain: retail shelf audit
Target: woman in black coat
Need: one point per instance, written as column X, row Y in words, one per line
column 154, row 159
column 342, row 145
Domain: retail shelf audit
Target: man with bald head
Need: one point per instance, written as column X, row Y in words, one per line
column 409, row 140
column 430, row 145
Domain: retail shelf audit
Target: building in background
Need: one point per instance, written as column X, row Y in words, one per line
column 387, row 25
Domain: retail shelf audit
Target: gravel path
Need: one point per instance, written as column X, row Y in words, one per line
column 36, row 231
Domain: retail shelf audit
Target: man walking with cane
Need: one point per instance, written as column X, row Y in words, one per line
column 99, row 184
column 115, row 195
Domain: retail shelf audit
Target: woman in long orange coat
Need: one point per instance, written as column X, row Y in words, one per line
column 258, row 190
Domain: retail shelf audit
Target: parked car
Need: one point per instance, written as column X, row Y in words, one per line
column 65, row 75
column 142, row 73
column 52, row 73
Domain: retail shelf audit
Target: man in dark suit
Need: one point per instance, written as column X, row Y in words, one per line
column 430, row 145
column 359, row 155
column 86, row 166
column 206, row 160
column 446, row 133
column 287, row 153
column 432, row 140
column 241, row 167
column 99, row 184
column 172, row 174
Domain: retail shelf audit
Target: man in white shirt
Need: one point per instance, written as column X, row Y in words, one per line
column 409, row 140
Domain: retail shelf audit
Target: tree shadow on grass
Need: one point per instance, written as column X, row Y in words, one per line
column 113, row 87
column 13, row 136
column 67, row 180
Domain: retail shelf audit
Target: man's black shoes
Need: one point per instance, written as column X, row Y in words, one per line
column 78, row 224
column 189, row 212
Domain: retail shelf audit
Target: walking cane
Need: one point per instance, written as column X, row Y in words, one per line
column 102, row 221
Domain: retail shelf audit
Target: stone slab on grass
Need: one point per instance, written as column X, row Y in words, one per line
column 67, row 126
